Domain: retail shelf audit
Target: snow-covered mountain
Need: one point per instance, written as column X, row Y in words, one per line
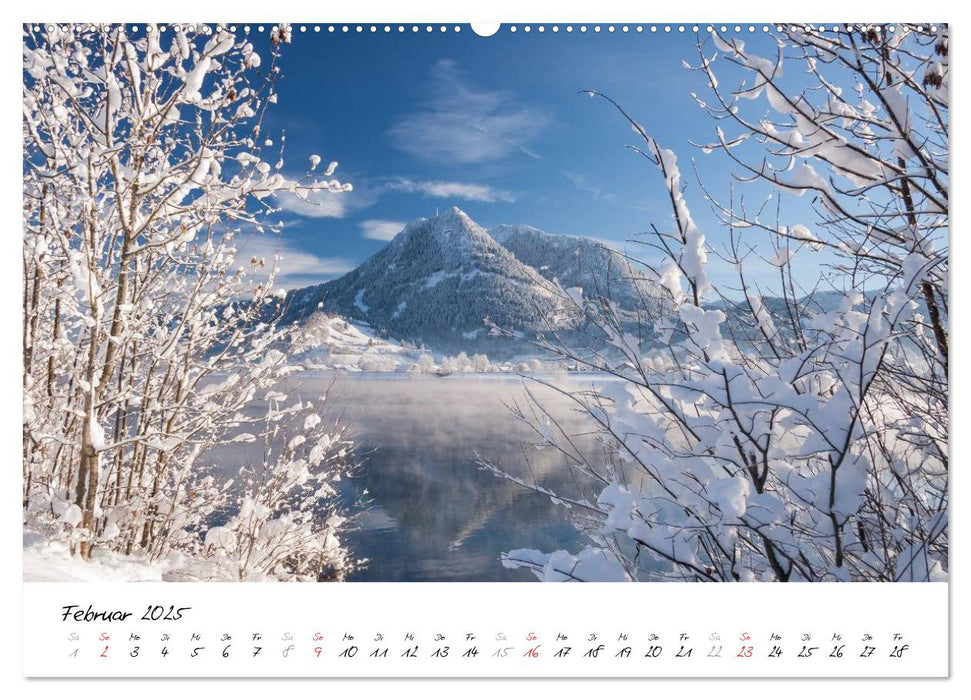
column 439, row 280
column 575, row 261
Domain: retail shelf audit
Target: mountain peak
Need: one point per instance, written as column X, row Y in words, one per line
column 444, row 222
column 455, row 215
column 452, row 228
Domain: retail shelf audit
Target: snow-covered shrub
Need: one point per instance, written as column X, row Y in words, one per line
column 801, row 437
column 145, row 333
column 373, row 362
column 286, row 520
column 531, row 366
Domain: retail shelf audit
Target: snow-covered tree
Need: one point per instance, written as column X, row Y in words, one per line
column 424, row 365
column 801, row 437
column 480, row 363
column 458, row 363
column 315, row 332
column 145, row 334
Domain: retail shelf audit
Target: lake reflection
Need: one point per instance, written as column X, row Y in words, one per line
column 434, row 515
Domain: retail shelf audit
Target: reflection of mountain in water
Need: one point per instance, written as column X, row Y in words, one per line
column 435, row 515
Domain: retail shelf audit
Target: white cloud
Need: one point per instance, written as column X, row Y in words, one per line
column 380, row 229
column 584, row 185
column 319, row 205
column 298, row 268
column 468, row 191
column 464, row 124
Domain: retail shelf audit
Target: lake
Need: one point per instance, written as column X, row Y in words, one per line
column 433, row 514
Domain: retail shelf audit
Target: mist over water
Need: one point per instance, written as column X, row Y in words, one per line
column 434, row 515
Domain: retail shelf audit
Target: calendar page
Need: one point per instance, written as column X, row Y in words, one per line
column 534, row 349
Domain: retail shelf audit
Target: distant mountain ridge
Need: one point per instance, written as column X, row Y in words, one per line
column 440, row 279
column 576, row 261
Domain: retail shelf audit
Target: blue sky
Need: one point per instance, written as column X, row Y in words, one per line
column 493, row 125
